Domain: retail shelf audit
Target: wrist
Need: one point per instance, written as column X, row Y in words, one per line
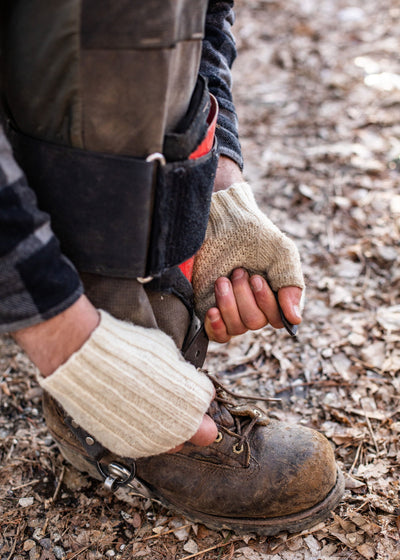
column 129, row 387
column 50, row 343
column 228, row 172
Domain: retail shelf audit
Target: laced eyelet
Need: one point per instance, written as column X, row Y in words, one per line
column 257, row 412
column 218, row 438
column 238, row 449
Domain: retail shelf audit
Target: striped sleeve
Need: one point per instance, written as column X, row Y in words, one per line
column 37, row 281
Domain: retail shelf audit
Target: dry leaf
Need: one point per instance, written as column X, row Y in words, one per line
column 191, row 546
column 373, row 470
column 389, row 317
column 367, row 550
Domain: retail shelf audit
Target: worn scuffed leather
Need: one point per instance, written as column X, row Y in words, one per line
column 260, row 475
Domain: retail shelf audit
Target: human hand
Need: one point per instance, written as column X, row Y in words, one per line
column 245, row 303
column 240, row 236
column 59, row 348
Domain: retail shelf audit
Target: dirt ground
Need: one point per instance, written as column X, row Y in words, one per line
column 317, row 86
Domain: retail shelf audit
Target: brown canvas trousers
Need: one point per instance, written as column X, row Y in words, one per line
column 110, row 77
column 102, row 75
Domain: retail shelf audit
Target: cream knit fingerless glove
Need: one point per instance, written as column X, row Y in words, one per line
column 130, row 388
column 240, row 235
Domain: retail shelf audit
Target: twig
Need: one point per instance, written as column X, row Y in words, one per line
column 7, row 514
column 368, row 366
column 98, row 543
column 12, row 549
column 10, row 452
column 44, row 528
column 323, row 383
column 231, row 552
column 75, row 554
column 356, row 457
column 157, row 535
column 31, row 483
column 23, row 525
column 370, row 429
column 207, row 550
column 56, row 491
column 365, row 502
column 314, row 529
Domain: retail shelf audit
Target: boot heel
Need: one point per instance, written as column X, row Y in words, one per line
column 78, row 461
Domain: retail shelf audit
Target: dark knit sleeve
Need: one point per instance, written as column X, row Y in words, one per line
column 218, row 54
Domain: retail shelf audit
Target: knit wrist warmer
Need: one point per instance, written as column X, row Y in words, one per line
column 240, row 235
column 130, row 388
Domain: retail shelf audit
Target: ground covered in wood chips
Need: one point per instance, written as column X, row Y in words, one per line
column 317, row 86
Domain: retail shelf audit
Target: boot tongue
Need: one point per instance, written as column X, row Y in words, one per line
column 221, row 415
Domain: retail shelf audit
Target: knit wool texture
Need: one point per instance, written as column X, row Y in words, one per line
column 129, row 387
column 240, row 235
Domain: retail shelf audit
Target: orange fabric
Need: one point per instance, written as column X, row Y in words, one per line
column 187, row 268
column 206, row 145
column 201, row 150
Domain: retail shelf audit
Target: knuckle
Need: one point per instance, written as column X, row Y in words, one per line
column 255, row 324
column 223, row 339
column 236, row 331
column 276, row 323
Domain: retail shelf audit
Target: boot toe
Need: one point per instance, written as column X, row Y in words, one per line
column 298, row 466
column 290, row 471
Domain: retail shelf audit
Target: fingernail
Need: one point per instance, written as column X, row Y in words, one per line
column 297, row 312
column 256, row 283
column 237, row 273
column 222, row 287
column 213, row 315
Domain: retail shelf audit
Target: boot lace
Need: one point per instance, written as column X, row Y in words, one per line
column 244, row 416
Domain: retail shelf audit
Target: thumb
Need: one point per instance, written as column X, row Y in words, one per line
column 291, row 300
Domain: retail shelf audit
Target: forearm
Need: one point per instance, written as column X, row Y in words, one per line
column 228, row 172
column 50, row 343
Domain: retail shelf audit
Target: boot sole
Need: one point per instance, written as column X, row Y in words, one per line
column 294, row 523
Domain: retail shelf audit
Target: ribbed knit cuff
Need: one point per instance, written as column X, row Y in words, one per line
column 130, row 388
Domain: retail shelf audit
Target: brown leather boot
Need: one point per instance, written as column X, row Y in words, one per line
column 260, row 475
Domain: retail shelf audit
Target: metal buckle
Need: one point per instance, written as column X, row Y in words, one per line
column 144, row 280
column 115, row 474
column 160, row 159
column 156, row 156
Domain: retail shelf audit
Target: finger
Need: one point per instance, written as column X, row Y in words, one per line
column 226, row 304
column 215, row 326
column 252, row 316
column 204, row 436
column 290, row 300
column 175, row 449
column 266, row 301
column 207, row 432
